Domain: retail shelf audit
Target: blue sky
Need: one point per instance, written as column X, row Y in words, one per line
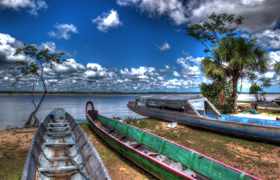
column 138, row 45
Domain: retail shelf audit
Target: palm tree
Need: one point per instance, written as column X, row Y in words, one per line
column 235, row 58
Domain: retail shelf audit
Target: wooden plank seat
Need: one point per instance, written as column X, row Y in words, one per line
column 59, row 144
column 58, row 171
column 58, row 128
column 59, row 135
column 58, row 124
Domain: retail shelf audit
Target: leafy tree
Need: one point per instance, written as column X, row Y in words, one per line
column 257, row 88
column 231, row 56
column 277, row 68
column 35, row 67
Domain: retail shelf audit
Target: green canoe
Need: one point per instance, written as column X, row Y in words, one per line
column 160, row 157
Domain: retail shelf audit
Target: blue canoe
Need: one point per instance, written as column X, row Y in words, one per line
column 197, row 111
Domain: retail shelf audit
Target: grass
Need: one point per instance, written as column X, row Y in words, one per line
column 260, row 159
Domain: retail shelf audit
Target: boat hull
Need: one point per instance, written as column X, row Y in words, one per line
column 153, row 168
column 248, row 131
column 47, row 157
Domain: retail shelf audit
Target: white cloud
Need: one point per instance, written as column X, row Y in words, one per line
column 141, row 73
column 33, row 5
column 274, row 56
column 51, row 46
column 269, row 38
column 190, row 65
column 174, row 9
column 67, row 66
column 176, row 74
column 95, row 71
column 8, row 46
column 259, row 14
column 165, row 47
column 63, row 31
column 107, row 21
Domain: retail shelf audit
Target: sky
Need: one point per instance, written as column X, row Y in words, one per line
column 124, row 45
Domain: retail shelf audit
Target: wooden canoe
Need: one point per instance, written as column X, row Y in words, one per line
column 249, row 128
column 60, row 150
column 160, row 157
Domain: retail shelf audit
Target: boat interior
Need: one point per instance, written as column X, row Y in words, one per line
column 60, row 151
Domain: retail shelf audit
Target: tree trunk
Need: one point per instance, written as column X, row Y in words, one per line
column 234, row 93
column 33, row 121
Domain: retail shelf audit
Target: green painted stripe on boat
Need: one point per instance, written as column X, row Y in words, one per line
column 189, row 159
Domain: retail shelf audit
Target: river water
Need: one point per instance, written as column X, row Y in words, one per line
column 15, row 109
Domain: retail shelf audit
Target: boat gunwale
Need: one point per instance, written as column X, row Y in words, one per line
column 75, row 129
column 207, row 119
column 173, row 170
column 181, row 146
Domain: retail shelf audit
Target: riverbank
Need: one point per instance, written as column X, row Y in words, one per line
column 260, row 159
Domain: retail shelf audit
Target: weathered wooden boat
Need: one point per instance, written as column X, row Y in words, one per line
column 277, row 101
column 197, row 111
column 60, row 150
column 160, row 157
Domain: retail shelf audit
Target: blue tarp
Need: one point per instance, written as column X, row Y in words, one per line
column 246, row 120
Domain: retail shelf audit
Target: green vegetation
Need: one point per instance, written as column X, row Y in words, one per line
column 260, row 159
column 231, row 57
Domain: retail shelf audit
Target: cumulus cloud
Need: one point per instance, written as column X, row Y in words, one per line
column 269, row 38
column 190, row 65
column 63, row 31
column 259, row 14
column 51, row 46
column 95, row 71
column 139, row 73
column 107, row 21
column 174, row 9
column 33, row 5
column 8, row 46
column 165, row 47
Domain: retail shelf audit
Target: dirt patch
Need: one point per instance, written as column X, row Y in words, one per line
column 14, row 145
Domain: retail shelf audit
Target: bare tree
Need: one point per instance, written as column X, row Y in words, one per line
column 39, row 58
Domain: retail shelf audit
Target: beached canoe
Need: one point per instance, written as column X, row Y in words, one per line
column 197, row 111
column 60, row 150
column 160, row 157
column 277, row 101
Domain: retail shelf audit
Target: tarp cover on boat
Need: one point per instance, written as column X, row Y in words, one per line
column 189, row 159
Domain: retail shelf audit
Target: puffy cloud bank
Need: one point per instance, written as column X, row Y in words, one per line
column 32, row 5
column 70, row 75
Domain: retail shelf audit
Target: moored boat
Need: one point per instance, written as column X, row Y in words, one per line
column 160, row 157
column 60, row 150
column 277, row 101
column 197, row 111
